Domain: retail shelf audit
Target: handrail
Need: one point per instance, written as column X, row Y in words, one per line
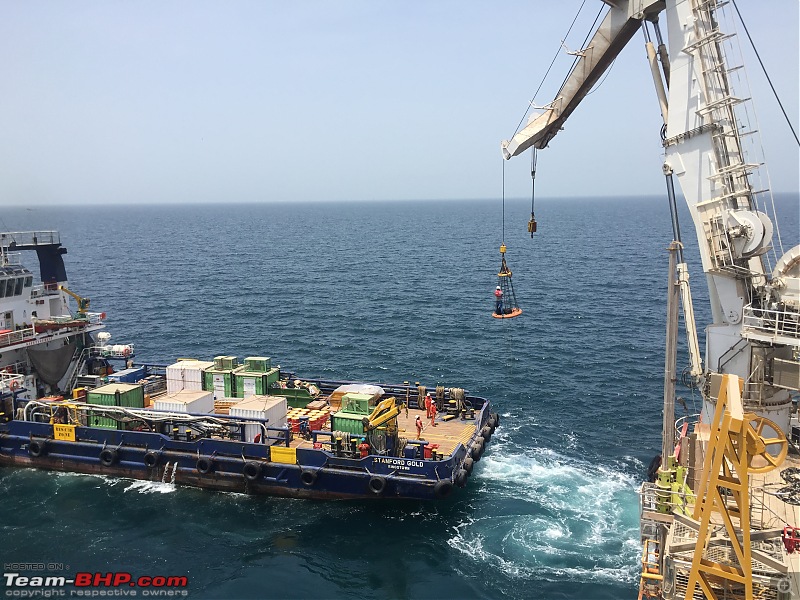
column 771, row 321
column 8, row 379
column 15, row 337
column 29, row 238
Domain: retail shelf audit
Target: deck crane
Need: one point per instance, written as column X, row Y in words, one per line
column 755, row 332
column 753, row 342
column 83, row 303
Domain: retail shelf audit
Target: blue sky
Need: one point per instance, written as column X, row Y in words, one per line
column 179, row 101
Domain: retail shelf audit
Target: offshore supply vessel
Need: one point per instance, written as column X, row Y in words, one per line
column 720, row 516
column 71, row 401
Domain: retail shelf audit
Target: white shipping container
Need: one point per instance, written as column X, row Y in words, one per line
column 186, row 401
column 186, row 375
column 272, row 408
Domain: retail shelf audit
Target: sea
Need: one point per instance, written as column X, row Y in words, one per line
column 385, row 292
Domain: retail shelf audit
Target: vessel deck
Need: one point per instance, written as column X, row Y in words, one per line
column 770, row 512
column 448, row 434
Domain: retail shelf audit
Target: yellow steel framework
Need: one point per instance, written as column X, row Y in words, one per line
column 736, row 447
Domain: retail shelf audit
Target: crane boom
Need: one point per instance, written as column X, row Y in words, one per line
column 754, row 308
column 623, row 20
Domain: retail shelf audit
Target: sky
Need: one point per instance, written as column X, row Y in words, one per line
column 348, row 100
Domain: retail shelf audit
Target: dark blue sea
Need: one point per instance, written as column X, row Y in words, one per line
column 385, row 292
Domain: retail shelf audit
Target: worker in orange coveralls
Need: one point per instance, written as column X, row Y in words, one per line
column 418, row 423
column 428, row 402
column 433, row 414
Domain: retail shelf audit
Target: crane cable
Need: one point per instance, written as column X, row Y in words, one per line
column 503, row 236
column 763, row 68
column 552, row 62
column 532, row 222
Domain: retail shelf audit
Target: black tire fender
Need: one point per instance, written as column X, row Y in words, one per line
column 37, row 448
column 469, row 464
column 496, row 418
column 308, row 477
column 477, row 450
column 151, row 459
column 109, row 457
column 252, row 470
column 204, row 465
column 377, row 484
column 443, row 488
column 486, row 433
column 461, row 478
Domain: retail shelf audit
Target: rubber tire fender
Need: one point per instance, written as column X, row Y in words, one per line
column 461, row 478
column 151, row 459
column 443, row 488
column 477, row 450
column 204, row 465
column 37, row 448
column 252, row 470
column 377, row 484
column 491, row 424
column 469, row 464
column 308, row 477
column 486, row 433
column 108, row 457
column 496, row 418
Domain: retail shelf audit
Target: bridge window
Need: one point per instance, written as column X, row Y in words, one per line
column 29, row 281
column 18, row 286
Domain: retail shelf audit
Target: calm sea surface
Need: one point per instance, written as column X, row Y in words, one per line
column 384, row 292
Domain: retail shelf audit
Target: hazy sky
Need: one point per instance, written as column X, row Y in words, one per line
column 174, row 101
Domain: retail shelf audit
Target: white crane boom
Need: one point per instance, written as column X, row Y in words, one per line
column 755, row 333
column 623, row 20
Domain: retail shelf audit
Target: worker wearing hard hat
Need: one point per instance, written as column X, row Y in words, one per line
column 498, row 295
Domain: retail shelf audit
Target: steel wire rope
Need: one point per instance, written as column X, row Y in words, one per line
column 763, row 68
column 743, row 75
column 577, row 58
column 503, row 236
column 552, row 62
column 534, row 157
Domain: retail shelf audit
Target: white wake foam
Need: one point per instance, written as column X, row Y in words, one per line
column 565, row 519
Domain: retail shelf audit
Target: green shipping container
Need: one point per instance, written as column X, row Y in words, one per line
column 273, row 376
column 221, row 382
column 257, row 364
column 347, row 422
column 94, row 420
column 225, row 363
column 357, row 404
column 249, row 383
column 117, row 394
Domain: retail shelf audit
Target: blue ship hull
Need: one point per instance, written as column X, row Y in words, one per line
column 242, row 467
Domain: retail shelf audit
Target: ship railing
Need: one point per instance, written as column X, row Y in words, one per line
column 771, row 321
column 95, row 318
column 10, row 382
column 209, row 425
column 11, row 259
column 15, row 337
column 29, row 238
column 114, row 351
column 692, row 420
column 44, row 289
column 651, row 497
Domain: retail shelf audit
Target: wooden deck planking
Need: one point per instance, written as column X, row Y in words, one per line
column 448, row 434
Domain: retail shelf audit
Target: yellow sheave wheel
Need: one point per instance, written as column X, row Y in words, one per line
column 765, row 453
